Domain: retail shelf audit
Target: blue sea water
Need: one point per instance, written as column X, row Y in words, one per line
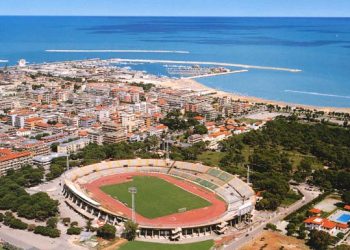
column 320, row 47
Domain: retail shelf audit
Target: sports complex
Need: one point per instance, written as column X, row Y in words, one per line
column 172, row 199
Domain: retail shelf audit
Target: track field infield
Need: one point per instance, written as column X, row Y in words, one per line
column 155, row 197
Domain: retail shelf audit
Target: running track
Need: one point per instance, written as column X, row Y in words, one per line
column 188, row 218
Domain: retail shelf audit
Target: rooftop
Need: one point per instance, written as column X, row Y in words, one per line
column 7, row 154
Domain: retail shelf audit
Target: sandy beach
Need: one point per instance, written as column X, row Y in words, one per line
column 196, row 86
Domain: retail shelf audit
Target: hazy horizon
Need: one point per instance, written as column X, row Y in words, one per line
column 186, row 8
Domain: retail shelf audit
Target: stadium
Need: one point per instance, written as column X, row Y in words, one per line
column 172, row 199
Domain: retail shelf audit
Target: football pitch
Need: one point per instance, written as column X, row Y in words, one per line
column 155, row 197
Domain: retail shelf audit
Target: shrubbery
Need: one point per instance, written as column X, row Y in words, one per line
column 74, row 230
column 12, row 222
column 106, row 231
column 47, row 231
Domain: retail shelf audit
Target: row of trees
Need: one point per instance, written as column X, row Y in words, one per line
column 49, row 230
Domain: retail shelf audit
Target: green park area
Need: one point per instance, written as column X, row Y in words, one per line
column 155, row 197
column 137, row 245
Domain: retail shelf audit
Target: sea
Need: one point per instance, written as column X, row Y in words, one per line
column 319, row 47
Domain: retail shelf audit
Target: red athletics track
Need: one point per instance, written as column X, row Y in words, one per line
column 188, row 218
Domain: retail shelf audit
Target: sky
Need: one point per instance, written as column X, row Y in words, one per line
column 297, row 8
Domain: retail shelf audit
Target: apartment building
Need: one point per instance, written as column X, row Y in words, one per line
column 73, row 146
column 13, row 160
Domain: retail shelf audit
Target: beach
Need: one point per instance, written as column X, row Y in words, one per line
column 192, row 84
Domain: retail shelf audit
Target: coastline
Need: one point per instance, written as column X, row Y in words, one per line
column 192, row 84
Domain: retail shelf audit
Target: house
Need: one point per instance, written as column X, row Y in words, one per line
column 323, row 224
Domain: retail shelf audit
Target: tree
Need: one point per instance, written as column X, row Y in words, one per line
column 346, row 197
column 319, row 240
column 106, row 232
column 340, row 235
column 200, row 129
column 291, row 229
column 271, row 226
column 152, row 142
column 52, row 222
column 88, row 225
column 54, row 146
column 342, row 247
column 302, row 232
column 130, row 230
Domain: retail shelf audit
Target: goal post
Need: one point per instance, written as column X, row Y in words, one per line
column 181, row 210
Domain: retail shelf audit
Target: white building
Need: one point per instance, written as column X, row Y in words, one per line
column 73, row 146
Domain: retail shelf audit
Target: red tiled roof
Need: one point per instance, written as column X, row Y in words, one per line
column 59, row 125
column 161, row 126
column 315, row 211
column 314, row 220
column 34, row 119
column 328, row 224
column 83, row 133
column 42, row 124
column 342, row 226
column 7, row 155
column 199, row 118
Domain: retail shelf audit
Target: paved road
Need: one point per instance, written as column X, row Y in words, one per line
column 29, row 240
column 254, row 231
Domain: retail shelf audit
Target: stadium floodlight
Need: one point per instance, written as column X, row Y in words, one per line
column 67, row 161
column 133, row 191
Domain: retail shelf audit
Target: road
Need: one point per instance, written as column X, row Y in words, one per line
column 253, row 232
column 29, row 240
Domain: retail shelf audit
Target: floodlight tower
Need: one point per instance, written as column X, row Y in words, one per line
column 167, row 148
column 248, row 174
column 133, row 191
column 67, row 161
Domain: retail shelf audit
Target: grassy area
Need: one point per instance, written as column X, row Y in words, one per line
column 248, row 120
column 211, row 158
column 291, row 198
column 296, row 158
column 137, row 245
column 155, row 197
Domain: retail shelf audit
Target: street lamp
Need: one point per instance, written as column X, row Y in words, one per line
column 133, row 191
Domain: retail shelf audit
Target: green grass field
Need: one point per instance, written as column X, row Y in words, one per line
column 138, row 245
column 211, row 158
column 155, row 197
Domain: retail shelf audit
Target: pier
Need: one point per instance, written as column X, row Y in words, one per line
column 115, row 51
column 245, row 66
column 217, row 74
